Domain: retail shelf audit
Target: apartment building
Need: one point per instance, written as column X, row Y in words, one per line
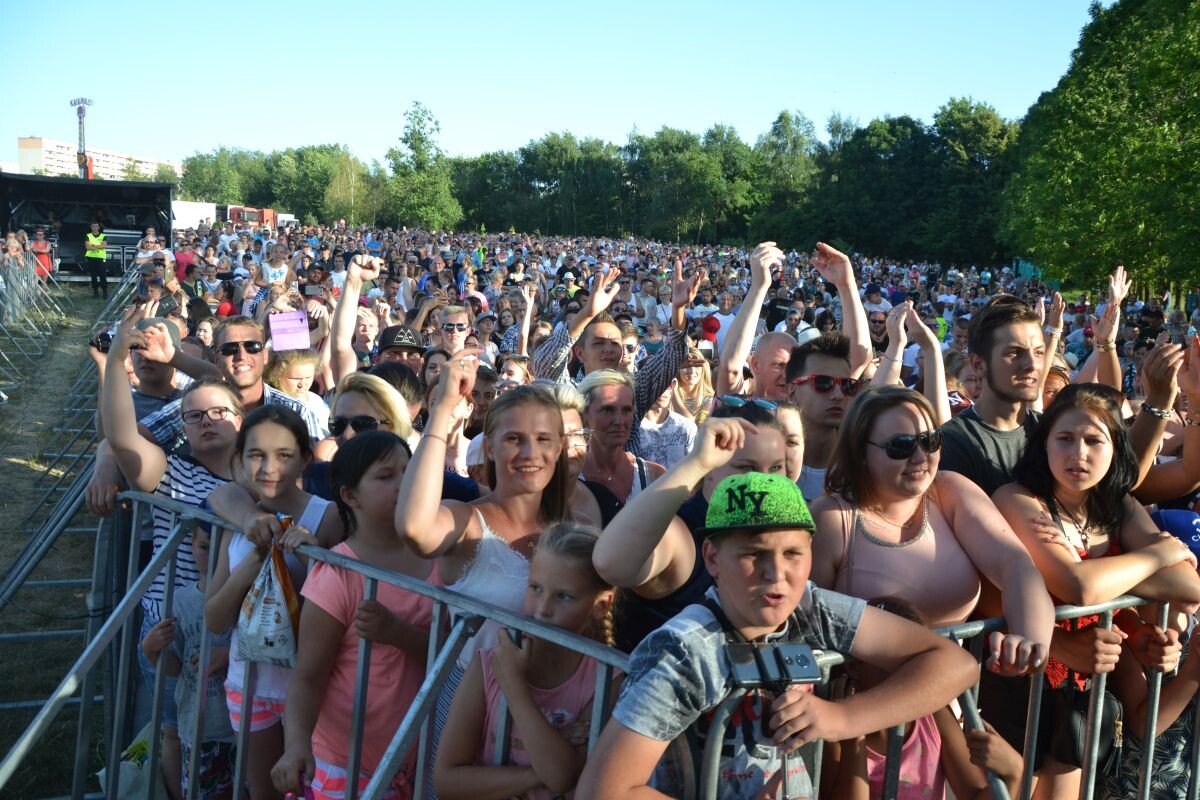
column 37, row 155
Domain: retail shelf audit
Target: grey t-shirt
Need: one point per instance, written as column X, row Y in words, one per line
column 188, row 611
column 679, row 674
column 982, row 453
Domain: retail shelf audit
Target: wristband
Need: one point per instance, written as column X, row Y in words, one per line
column 1156, row 412
column 1105, row 347
column 441, row 439
column 1052, row 331
column 886, row 357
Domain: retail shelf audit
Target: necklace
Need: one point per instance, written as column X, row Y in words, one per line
column 860, row 522
column 1082, row 525
column 908, row 522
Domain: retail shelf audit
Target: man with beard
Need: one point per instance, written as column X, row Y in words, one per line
column 1007, row 349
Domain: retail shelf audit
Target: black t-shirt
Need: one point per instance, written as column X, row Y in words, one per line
column 986, row 455
column 637, row 617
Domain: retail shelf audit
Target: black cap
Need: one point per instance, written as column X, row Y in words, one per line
column 399, row 336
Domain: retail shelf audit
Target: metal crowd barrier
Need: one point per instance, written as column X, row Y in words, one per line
column 118, row 638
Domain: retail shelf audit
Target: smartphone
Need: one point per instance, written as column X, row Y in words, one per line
column 313, row 290
column 757, row 665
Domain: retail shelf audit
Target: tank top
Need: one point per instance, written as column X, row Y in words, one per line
column 921, row 775
column 874, row 568
column 274, row 274
column 497, row 574
column 272, row 680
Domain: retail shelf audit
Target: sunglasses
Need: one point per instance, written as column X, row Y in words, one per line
column 451, row 327
column 902, row 447
column 734, row 401
column 231, row 348
column 338, row 425
column 825, row 383
column 216, row 414
column 631, row 348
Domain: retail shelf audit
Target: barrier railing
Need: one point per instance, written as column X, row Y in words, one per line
column 118, row 636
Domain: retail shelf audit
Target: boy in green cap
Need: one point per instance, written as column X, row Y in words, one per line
column 758, row 550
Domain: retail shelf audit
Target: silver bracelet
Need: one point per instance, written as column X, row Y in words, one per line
column 1052, row 331
column 1156, row 412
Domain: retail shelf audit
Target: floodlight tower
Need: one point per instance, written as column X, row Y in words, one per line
column 81, row 104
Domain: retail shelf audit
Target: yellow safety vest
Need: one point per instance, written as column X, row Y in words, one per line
column 96, row 239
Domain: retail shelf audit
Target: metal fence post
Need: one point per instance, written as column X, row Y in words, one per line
column 1154, row 693
column 358, row 713
column 1087, row 789
column 710, row 762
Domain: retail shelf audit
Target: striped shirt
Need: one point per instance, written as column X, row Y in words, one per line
column 186, row 481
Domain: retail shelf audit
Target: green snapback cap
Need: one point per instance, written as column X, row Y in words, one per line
column 756, row 501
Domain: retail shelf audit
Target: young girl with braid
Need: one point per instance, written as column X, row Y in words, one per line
column 549, row 689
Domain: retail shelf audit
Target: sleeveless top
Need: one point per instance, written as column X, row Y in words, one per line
column 637, row 617
column 874, row 568
column 921, row 775
column 274, row 274
column 1057, row 673
column 496, row 574
column 272, row 680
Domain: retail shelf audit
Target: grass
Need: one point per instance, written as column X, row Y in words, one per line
column 30, row 670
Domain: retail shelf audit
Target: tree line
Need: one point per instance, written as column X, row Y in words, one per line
column 1102, row 170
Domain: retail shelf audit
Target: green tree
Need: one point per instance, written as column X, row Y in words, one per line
column 165, row 173
column 1105, row 167
column 130, row 172
column 211, row 178
column 420, row 191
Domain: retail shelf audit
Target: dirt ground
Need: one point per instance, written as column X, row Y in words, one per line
column 29, row 671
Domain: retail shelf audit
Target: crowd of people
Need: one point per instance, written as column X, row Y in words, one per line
column 667, row 449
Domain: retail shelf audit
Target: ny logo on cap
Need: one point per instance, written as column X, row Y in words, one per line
column 740, row 496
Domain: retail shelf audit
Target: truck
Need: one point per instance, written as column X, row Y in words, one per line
column 192, row 214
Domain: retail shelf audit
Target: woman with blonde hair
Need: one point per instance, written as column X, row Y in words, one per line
column 693, row 393
column 293, row 372
column 610, row 414
column 363, row 403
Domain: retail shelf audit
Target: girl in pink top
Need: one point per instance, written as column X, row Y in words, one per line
column 366, row 476
column 936, row 752
column 549, row 689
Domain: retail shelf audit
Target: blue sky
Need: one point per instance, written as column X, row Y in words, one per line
column 189, row 77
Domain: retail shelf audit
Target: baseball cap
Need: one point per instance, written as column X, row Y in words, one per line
column 756, row 501
column 399, row 336
column 172, row 329
column 486, row 315
column 710, row 326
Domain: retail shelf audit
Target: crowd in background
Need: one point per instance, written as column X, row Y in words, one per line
column 658, row 446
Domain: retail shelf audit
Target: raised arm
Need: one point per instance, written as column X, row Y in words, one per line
column 736, row 350
column 531, row 294
column 934, row 369
column 1180, row 477
column 423, row 522
column 892, row 359
column 1159, row 374
column 141, row 461
column 646, row 547
column 1052, row 318
column 835, row 267
column 342, row 360
column 550, row 361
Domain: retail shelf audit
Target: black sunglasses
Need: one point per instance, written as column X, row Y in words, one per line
column 231, row 348
column 337, row 425
column 451, row 327
column 631, row 348
column 734, row 401
column 825, row 383
column 902, row 447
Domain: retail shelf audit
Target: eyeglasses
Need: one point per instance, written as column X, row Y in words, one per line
column 451, row 327
column 580, row 437
column 825, row 383
column 734, row 401
column 231, row 348
column 216, row 414
column 902, row 447
column 338, row 425
column 878, row 321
